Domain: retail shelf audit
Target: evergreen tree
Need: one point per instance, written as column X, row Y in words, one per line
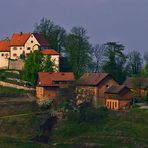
column 115, row 63
column 77, row 49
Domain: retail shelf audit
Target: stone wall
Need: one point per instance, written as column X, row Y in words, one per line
column 16, row 64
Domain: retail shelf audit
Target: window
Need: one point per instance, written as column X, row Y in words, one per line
column 2, row 54
column 28, row 48
column 6, row 55
column 21, row 48
column 107, row 86
column 115, row 104
column 14, row 48
column 31, row 41
column 14, row 54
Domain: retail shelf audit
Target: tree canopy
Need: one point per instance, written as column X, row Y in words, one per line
column 54, row 34
column 115, row 61
column 77, row 49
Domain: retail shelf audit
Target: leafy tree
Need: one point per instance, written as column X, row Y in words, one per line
column 134, row 63
column 53, row 33
column 77, row 49
column 115, row 63
column 32, row 66
column 47, row 65
column 35, row 63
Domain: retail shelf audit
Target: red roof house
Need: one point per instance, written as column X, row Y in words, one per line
column 49, row 83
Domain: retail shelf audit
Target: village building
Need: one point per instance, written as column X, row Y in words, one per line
column 137, row 84
column 4, row 53
column 24, row 43
column 54, row 56
column 118, row 97
column 96, row 84
column 49, row 84
column 21, row 45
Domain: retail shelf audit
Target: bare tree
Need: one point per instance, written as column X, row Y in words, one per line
column 146, row 57
column 134, row 63
column 98, row 52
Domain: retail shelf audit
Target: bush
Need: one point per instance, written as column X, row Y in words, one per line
column 87, row 115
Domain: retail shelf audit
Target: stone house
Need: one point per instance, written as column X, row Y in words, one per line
column 118, row 97
column 96, row 84
column 48, row 84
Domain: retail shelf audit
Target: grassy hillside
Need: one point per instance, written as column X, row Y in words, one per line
column 119, row 129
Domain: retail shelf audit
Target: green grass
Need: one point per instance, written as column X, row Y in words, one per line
column 124, row 129
column 8, row 91
column 10, row 74
column 18, row 143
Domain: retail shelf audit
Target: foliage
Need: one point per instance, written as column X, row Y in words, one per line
column 54, row 34
column 47, row 65
column 35, row 63
column 115, row 63
column 87, row 114
column 32, row 66
column 77, row 49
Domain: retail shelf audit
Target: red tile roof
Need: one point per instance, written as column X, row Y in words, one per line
column 47, row 78
column 5, row 45
column 19, row 39
column 92, row 79
column 41, row 39
column 49, row 52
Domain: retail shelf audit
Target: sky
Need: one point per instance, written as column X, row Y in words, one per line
column 123, row 21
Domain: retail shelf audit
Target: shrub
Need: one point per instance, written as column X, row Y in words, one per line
column 87, row 115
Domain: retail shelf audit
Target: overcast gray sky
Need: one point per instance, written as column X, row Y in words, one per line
column 124, row 21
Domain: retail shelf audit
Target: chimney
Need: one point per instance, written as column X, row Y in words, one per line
column 21, row 33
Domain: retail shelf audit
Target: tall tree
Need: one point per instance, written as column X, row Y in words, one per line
column 134, row 63
column 77, row 49
column 35, row 63
column 115, row 63
column 98, row 53
column 55, row 34
column 32, row 66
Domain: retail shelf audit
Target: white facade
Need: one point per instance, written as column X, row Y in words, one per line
column 4, row 59
column 56, row 61
column 30, row 45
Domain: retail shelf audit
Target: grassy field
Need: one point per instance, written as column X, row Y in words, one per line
column 119, row 129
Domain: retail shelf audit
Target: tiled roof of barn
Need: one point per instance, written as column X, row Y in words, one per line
column 47, row 78
column 92, row 78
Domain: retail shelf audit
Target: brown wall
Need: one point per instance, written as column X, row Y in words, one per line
column 46, row 93
column 98, row 91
